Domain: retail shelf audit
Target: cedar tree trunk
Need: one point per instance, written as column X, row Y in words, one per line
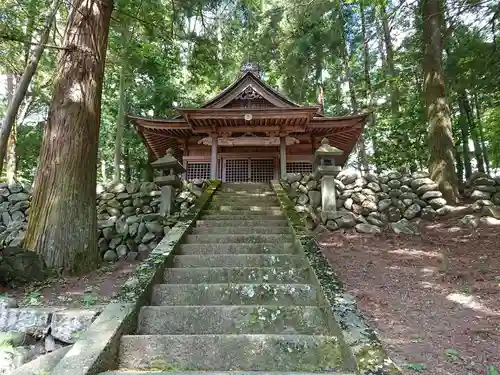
column 441, row 161
column 62, row 222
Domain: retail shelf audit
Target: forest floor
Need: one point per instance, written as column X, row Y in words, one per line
column 434, row 300
column 89, row 291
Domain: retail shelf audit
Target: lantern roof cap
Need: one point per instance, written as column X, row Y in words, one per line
column 327, row 150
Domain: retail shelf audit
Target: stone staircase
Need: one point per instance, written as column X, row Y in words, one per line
column 237, row 299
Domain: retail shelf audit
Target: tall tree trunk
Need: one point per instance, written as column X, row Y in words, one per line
column 104, row 174
column 479, row 125
column 126, row 165
column 390, row 61
column 478, row 150
column 11, row 147
column 120, row 125
column 62, row 226
column 363, row 158
column 464, row 131
column 22, row 87
column 460, row 164
column 442, row 160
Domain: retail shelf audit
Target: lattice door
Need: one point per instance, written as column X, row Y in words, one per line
column 261, row 170
column 298, row 167
column 198, row 171
column 236, row 170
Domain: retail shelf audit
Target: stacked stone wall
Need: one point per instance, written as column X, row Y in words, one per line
column 368, row 203
column 128, row 222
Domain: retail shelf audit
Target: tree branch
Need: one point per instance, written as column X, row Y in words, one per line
column 14, row 39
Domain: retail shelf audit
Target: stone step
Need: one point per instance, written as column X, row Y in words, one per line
column 242, row 260
column 234, row 294
column 242, row 238
column 228, row 352
column 202, row 320
column 224, row 275
column 236, row 208
column 236, row 248
column 242, row 230
column 173, row 372
column 246, row 193
column 261, row 197
column 242, row 215
column 242, row 223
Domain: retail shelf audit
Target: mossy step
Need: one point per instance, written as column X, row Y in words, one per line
column 169, row 372
column 223, row 275
column 228, row 352
column 242, row 230
column 242, row 223
column 242, row 238
column 237, row 248
column 260, row 197
column 242, row 260
column 235, row 208
column 234, row 294
column 242, row 215
column 189, row 320
column 244, row 194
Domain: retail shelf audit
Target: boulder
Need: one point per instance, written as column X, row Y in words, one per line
column 368, row 228
column 20, row 266
column 404, row 226
column 68, row 325
column 412, row 211
column 470, row 221
column 348, row 176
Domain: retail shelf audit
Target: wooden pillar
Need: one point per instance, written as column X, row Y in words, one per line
column 282, row 156
column 213, row 165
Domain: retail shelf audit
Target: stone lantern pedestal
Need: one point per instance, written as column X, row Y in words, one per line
column 168, row 181
column 324, row 162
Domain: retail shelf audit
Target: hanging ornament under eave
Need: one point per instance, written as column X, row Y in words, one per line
column 248, row 141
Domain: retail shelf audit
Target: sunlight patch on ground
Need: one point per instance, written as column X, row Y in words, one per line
column 471, row 303
column 416, row 253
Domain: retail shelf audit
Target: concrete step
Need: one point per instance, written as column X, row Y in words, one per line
column 237, row 248
column 228, row 352
column 242, row 215
column 248, row 275
column 173, row 372
column 234, row 294
column 242, row 238
column 202, row 320
column 242, row 223
column 243, row 260
column 242, row 230
column 251, row 208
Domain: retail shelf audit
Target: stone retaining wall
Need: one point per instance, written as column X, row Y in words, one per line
column 483, row 189
column 27, row 333
column 368, row 203
column 128, row 221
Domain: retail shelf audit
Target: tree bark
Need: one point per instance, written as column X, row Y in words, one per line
column 11, row 147
column 481, row 134
column 464, row 130
column 478, row 150
column 22, row 87
column 120, row 125
column 442, row 160
column 390, row 61
column 62, row 226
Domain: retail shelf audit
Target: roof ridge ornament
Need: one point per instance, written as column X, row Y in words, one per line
column 251, row 67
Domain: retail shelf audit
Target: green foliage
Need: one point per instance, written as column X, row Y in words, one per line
column 180, row 53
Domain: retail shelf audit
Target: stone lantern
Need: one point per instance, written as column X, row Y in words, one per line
column 169, row 180
column 324, row 163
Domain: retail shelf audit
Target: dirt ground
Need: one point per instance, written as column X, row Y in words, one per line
column 89, row 291
column 434, row 300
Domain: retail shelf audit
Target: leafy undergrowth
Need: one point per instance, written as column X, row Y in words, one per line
column 88, row 291
column 434, row 300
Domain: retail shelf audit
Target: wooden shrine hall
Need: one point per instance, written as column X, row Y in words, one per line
column 248, row 133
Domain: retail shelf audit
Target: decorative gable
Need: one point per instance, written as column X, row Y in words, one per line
column 249, row 91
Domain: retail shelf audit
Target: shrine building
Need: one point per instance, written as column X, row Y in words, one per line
column 249, row 132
